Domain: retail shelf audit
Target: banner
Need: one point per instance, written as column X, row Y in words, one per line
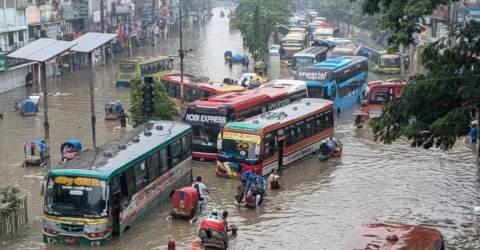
column 240, row 137
column 3, row 62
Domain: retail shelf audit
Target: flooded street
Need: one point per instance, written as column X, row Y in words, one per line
column 320, row 203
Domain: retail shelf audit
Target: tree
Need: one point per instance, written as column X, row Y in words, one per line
column 164, row 107
column 437, row 108
column 11, row 199
column 257, row 19
column 401, row 16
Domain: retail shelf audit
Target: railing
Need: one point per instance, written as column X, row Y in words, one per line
column 12, row 24
column 10, row 224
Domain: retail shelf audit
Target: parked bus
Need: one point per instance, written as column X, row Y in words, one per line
column 207, row 116
column 308, row 57
column 194, row 88
column 340, row 79
column 389, row 64
column 381, row 236
column 345, row 48
column 377, row 95
column 283, row 30
column 275, row 139
column 103, row 192
column 291, row 44
column 140, row 67
column 325, row 30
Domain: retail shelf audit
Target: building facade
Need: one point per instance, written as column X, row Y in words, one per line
column 13, row 35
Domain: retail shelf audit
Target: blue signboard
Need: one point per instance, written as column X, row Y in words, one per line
column 149, row 14
column 473, row 13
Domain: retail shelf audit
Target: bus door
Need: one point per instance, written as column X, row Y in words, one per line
column 280, row 145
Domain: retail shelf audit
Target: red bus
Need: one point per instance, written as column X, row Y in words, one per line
column 194, row 87
column 209, row 115
column 376, row 96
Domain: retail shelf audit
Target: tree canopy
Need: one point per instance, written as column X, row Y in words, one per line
column 342, row 11
column 401, row 16
column 164, row 108
column 257, row 20
column 437, row 107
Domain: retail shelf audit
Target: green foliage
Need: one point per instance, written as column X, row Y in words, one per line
column 164, row 108
column 441, row 101
column 10, row 199
column 344, row 11
column 401, row 16
column 257, row 20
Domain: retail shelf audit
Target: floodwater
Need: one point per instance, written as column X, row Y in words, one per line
column 320, row 203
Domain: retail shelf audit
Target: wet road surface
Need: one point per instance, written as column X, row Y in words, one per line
column 320, row 203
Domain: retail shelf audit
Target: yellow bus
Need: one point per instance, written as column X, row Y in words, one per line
column 291, row 44
column 142, row 66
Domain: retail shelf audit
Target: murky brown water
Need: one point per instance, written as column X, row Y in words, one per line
column 321, row 203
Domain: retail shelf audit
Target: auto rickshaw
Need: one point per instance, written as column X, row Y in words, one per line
column 326, row 152
column 259, row 67
column 112, row 109
column 69, row 149
column 29, row 106
column 34, row 153
column 186, row 204
column 228, row 55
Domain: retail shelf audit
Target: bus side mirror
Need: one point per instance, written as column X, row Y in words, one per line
column 219, row 144
column 44, row 188
column 105, row 192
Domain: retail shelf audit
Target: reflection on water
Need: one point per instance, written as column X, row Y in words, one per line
column 320, row 203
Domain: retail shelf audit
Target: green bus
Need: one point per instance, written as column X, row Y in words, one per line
column 142, row 66
column 103, row 192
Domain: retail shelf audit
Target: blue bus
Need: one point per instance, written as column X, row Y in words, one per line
column 342, row 80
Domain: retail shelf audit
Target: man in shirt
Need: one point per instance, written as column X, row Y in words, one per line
column 201, row 188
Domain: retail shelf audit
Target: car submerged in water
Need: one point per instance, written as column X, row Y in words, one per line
column 386, row 236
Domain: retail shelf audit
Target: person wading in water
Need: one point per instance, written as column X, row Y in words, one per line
column 123, row 118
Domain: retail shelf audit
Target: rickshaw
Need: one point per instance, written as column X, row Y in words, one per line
column 212, row 234
column 111, row 110
column 69, row 149
column 228, row 54
column 28, row 107
column 326, row 152
column 259, row 67
column 186, row 204
column 34, row 153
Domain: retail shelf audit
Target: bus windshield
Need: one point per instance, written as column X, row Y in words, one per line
column 379, row 98
column 206, row 132
column 76, row 197
column 127, row 68
column 390, row 62
column 300, row 61
column 317, row 92
column 238, row 150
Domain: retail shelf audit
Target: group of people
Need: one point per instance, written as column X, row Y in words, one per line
column 328, row 145
column 245, row 61
column 252, row 188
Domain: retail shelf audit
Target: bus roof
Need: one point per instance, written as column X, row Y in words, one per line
column 264, row 93
column 409, row 237
column 281, row 116
column 94, row 163
column 339, row 62
column 146, row 59
column 311, row 51
column 209, row 86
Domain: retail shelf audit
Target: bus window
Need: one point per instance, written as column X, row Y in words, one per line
column 186, row 146
column 163, row 161
column 140, row 171
column 379, row 98
column 334, row 92
column 310, row 126
column 318, row 124
column 269, row 147
column 177, row 91
column 130, row 179
column 176, row 149
column 300, row 126
column 328, row 119
column 291, row 136
column 153, row 165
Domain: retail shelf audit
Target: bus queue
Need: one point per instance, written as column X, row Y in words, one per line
column 247, row 133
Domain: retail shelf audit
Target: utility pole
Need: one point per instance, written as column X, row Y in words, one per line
column 46, row 125
column 129, row 28
column 453, row 21
column 464, row 13
column 182, row 55
column 92, row 102
column 102, row 21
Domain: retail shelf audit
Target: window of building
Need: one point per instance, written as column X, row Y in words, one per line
column 20, row 36
column 11, row 39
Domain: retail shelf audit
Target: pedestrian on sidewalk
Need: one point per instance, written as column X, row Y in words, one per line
column 266, row 68
column 243, row 60
column 247, row 61
column 123, row 118
column 406, row 63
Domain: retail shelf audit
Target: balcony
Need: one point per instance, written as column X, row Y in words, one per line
column 12, row 25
